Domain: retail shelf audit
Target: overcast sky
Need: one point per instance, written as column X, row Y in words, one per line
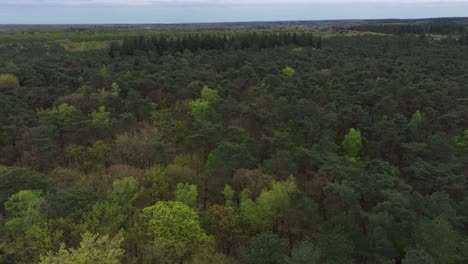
column 186, row 11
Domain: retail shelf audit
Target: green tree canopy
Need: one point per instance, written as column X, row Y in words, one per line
column 267, row 248
column 8, row 83
column 187, row 194
column 352, row 143
column 93, row 249
column 175, row 222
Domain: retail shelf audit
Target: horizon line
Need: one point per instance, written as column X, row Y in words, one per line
column 232, row 22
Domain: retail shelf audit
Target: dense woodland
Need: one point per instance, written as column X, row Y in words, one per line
column 294, row 145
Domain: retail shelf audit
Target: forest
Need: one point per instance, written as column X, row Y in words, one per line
column 288, row 143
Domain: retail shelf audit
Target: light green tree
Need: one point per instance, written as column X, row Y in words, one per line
column 8, row 83
column 270, row 204
column 175, row 222
column 25, row 210
column 462, row 140
column 210, row 95
column 111, row 215
column 417, row 118
column 101, row 117
column 288, row 72
column 187, row 194
column 93, row 249
column 200, row 107
column 99, row 152
column 88, row 157
column 352, row 143
column 125, row 191
column 155, row 185
column 27, row 227
column 228, row 193
column 115, row 89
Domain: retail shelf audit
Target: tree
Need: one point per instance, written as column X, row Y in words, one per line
column 209, row 256
column 25, row 209
column 270, row 206
column 438, row 239
column 462, row 140
column 304, row 253
column 226, row 225
column 13, row 180
column 417, row 118
column 101, row 123
column 101, row 117
column 254, row 180
column 8, row 83
column 140, row 147
column 125, row 191
column 352, row 143
column 176, row 229
column 111, row 215
column 27, row 227
column 201, row 107
column 318, row 45
column 88, row 158
column 70, row 203
column 223, row 161
column 187, row 194
column 288, row 72
column 209, row 95
column 186, row 168
column 228, row 194
column 267, row 248
column 155, row 185
column 93, row 249
column 417, row 256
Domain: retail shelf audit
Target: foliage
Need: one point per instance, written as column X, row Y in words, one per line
column 93, row 249
column 187, row 194
column 416, row 118
column 226, row 224
column 200, row 108
column 8, row 83
column 462, row 141
column 288, row 72
column 352, row 143
column 162, row 43
column 13, row 180
column 267, row 248
column 270, row 205
column 88, row 157
column 265, row 142
column 25, row 210
column 444, row 247
column 176, row 225
column 304, row 253
column 228, row 194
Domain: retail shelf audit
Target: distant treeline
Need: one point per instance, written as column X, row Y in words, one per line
column 194, row 42
column 464, row 39
column 422, row 28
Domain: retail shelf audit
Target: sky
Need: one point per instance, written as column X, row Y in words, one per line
column 200, row 11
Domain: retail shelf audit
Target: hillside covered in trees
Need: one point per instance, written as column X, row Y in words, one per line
column 295, row 143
